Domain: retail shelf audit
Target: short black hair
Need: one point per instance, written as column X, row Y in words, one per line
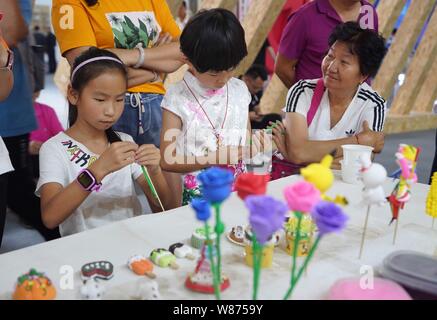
column 257, row 70
column 213, row 40
column 366, row 44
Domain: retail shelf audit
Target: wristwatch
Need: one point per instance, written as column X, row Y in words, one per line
column 87, row 181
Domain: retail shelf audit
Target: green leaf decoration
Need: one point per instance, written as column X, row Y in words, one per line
column 118, row 44
column 129, row 23
column 120, row 38
column 128, row 31
column 144, row 37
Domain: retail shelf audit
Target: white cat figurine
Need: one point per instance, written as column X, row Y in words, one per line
column 373, row 176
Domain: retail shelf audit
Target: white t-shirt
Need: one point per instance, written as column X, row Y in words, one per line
column 367, row 104
column 5, row 162
column 197, row 137
column 61, row 160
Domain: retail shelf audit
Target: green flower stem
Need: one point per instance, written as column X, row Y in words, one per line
column 257, row 259
column 296, row 246
column 215, row 277
column 218, row 222
column 305, row 264
column 151, row 186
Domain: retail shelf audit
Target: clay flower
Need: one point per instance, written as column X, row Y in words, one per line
column 301, row 196
column 190, row 181
column 251, row 184
column 216, row 184
column 202, row 208
column 266, row 216
column 328, row 217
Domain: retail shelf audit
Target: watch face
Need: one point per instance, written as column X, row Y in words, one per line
column 85, row 180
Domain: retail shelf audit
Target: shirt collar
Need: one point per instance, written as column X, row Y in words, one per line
column 324, row 6
column 198, row 89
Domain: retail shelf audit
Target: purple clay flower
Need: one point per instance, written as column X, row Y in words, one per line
column 329, row 217
column 266, row 216
column 216, row 184
column 202, row 208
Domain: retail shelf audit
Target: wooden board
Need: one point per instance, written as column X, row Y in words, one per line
column 409, row 123
column 401, row 47
column 226, row 4
column 424, row 101
column 257, row 24
column 273, row 99
column 418, row 70
column 388, row 13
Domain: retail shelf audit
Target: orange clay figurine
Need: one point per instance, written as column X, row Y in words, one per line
column 141, row 266
column 34, row 285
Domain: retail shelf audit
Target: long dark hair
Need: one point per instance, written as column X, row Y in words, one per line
column 89, row 72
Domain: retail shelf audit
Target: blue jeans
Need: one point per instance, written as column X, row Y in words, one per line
column 141, row 118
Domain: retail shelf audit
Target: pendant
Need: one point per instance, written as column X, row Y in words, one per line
column 219, row 140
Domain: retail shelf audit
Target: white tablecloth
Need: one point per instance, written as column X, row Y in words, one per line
column 337, row 256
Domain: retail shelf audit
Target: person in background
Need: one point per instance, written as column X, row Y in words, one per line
column 183, row 15
column 50, row 47
column 255, row 79
column 48, row 126
column 17, row 118
column 274, row 36
column 304, row 41
column 261, row 58
column 40, row 41
column 7, row 81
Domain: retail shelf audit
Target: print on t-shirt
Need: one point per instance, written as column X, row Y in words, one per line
column 350, row 133
column 133, row 28
column 78, row 156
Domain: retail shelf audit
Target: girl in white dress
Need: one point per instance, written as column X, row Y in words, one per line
column 205, row 116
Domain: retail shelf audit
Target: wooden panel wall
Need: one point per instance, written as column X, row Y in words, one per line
column 402, row 46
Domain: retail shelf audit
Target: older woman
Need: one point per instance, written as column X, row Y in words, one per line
column 345, row 109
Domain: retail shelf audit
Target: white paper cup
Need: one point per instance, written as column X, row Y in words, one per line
column 350, row 173
column 353, row 152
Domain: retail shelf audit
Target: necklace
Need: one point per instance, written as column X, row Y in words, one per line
column 214, row 129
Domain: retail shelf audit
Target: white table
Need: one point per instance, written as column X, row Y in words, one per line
column 337, row 256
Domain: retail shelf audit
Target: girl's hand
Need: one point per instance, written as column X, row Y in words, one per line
column 279, row 133
column 148, row 155
column 117, row 156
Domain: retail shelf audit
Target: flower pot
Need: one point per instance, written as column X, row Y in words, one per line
column 267, row 255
